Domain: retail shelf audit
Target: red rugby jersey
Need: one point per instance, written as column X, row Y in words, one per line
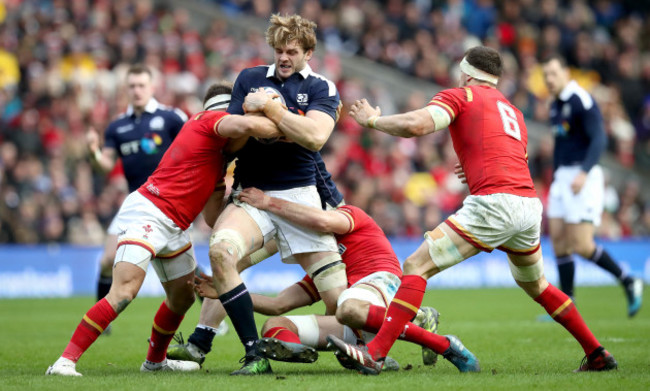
column 190, row 169
column 490, row 137
column 365, row 248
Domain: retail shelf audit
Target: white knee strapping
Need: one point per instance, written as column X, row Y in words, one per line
column 307, row 326
column 443, row 251
column 232, row 237
column 328, row 273
column 527, row 273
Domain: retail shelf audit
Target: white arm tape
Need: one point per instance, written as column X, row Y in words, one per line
column 441, row 118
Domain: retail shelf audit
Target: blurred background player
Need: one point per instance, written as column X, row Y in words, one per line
column 576, row 197
column 153, row 223
column 502, row 211
column 286, row 168
column 139, row 137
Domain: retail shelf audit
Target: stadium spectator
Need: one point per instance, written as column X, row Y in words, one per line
column 106, row 37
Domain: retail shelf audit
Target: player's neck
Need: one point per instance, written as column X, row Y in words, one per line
column 475, row 82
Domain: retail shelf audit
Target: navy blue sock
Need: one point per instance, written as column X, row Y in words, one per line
column 566, row 268
column 202, row 338
column 239, row 306
column 103, row 286
column 602, row 258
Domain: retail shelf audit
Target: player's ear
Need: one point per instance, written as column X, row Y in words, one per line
column 308, row 54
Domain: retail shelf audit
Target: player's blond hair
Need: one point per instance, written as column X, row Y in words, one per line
column 286, row 29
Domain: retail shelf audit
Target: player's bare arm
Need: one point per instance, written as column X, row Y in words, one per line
column 104, row 159
column 310, row 131
column 306, row 216
column 237, row 126
column 411, row 124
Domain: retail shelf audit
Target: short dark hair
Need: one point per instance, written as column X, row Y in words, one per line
column 556, row 56
column 485, row 59
column 137, row 69
column 218, row 88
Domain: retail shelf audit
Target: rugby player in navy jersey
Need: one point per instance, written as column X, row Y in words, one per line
column 139, row 137
column 575, row 203
column 211, row 319
column 285, row 169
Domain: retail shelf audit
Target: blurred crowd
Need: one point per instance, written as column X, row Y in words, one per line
column 63, row 64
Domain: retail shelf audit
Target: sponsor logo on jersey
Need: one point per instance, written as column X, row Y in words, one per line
column 157, row 123
column 302, row 99
column 566, row 111
column 150, row 143
column 124, row 128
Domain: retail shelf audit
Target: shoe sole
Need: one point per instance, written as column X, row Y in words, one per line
column 274, row 349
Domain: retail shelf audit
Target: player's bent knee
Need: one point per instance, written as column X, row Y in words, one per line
column 442, row 250
column 231, row 241
column 278, row 321
column 530, row 273
column 308, row 330
column 328, row 273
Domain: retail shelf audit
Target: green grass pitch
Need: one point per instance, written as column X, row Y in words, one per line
column 516, row 352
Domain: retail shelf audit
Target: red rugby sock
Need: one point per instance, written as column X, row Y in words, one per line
column 562, row 310
column 165, row 324
column 402, row 309
column 283, row 334
column 92, row 325
column 410, row 333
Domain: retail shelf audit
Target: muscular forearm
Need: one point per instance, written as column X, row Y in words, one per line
column 302, row 130
column 411, row 124
column 303, row 215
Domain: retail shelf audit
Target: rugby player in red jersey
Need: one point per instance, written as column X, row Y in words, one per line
column 373, row 273
column 153, row 221
column 502, row 211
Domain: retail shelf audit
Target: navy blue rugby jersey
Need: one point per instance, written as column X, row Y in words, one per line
column 327, row 190
column 142, row 141
column 578, row 128
column 282, row 164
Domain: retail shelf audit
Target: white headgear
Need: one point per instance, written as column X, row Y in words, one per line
column 220, row 101
column 472, row 71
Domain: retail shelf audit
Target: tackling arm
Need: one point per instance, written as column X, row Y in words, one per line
column 290, row 298
column 303, row 215
column 236, row 126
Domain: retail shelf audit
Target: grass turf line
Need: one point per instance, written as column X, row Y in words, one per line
column 499, row 325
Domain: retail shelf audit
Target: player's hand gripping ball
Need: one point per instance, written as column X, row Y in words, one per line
column 278, row 98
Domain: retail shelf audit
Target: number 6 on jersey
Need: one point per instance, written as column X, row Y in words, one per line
column 509, row 119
